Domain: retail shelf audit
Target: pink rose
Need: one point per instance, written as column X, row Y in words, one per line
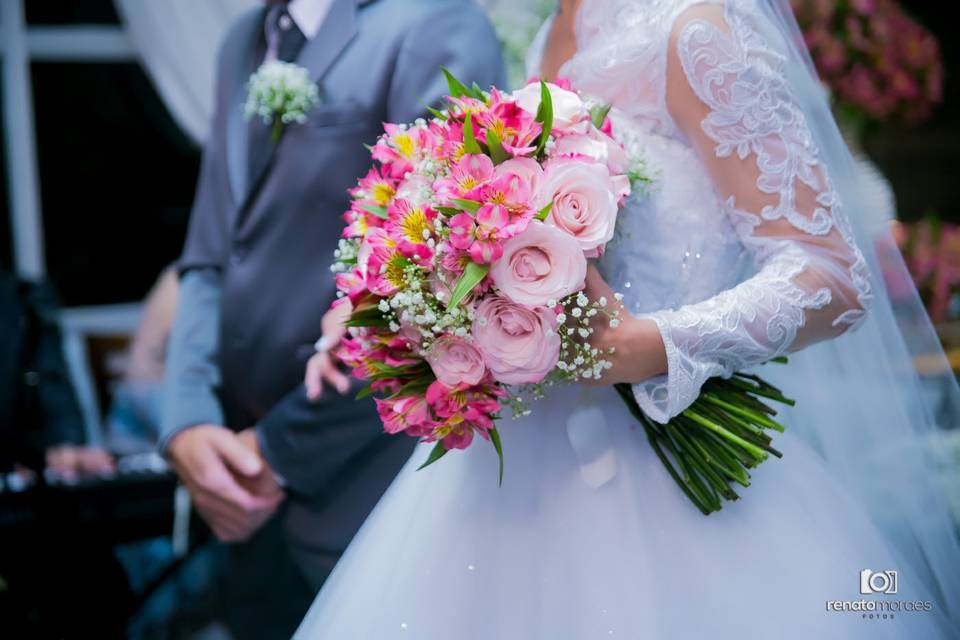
column 455, row 361
column 542, row 263
column 519, row 345
column 596, row 145
column 584, row 202
column 568, row 108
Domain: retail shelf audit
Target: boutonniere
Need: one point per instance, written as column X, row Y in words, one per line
column 280, row 93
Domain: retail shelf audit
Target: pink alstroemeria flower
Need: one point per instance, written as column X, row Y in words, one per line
column 469, row 173
column 410, row 414
column 462, row 411
column 375, row 188
column 352, row 284
column 399, row 147
column 409, row 227
column 516, row 129
column 359, row 221
column 480, row 235
column 381, row 263
column 513, row 193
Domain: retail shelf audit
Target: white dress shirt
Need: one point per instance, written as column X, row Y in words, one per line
column 309, row 15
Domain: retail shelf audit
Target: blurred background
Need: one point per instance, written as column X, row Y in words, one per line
column 104, row 105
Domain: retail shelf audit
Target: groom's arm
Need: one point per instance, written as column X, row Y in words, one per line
column 191, row 374
column 309, row 443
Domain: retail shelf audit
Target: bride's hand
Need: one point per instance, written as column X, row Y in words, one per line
column 323, row 364
column 639, row 353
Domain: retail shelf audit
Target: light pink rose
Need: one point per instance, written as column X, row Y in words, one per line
column 455, row 361
column 519, row 345
column 542, row 263
column 584, row 202
column 568, row 108
column 594, row 144
column 530, row 172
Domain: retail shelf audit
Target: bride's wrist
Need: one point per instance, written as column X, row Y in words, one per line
column 639, row 353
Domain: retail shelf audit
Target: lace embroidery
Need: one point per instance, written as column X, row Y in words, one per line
column 623, row 47
column 754, row 111
column 752, row 323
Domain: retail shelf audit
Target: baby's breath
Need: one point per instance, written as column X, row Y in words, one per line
column 280, row 93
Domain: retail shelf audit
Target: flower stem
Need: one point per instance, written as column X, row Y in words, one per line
column 749, row 446
column 277, row 130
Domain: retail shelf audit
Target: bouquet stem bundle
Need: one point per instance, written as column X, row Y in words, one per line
column 715, row 441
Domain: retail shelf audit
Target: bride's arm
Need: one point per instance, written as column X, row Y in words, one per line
column 728, row 95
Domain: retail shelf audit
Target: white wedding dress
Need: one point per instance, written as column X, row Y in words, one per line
column 741, row 252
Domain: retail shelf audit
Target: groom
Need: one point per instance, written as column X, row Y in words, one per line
column 285, row 480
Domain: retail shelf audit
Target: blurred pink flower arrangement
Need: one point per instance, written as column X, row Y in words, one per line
column 880, row 64
column 931, row 250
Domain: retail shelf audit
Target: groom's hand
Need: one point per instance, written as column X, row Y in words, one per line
column 265, row 483
column 220, row 473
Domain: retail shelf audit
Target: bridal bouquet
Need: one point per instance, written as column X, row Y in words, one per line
column 465, row 253
column 462, row 267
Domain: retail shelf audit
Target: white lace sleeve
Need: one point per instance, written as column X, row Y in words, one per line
column 728, row 94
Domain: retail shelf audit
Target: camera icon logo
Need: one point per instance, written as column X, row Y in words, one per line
column 878, row 582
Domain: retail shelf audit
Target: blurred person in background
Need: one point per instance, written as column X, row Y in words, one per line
column 45, row 581
column 288, row 479
column 133, row 422
column 41, row 426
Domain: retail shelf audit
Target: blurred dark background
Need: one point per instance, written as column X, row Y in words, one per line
column 922, row 162
column 117, row 174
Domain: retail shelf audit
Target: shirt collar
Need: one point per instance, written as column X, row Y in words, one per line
column 309, row 15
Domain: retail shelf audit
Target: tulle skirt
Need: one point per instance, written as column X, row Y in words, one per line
column 603, row 544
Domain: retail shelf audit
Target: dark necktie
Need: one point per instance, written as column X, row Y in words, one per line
column 288, row 40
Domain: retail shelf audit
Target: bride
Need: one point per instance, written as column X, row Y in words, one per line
column 750, row 246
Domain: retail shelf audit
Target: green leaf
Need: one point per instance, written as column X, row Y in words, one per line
column 478, row 93
column 436, row 453
column 377, row 210
column 598, row 114
column 495, row 439
column 470, row 144
column 497, row 152
column 470, row 206
column 471, row 277
column 544, row 116
column 367, row 322
column 363, row 393
column 457, row 88
column 543, row 213
column 366, row 317
column 383, row 369
column 416, row 387
column 447, row 211
column 436, row 113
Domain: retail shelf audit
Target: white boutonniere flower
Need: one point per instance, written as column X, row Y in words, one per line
column 280, row 93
